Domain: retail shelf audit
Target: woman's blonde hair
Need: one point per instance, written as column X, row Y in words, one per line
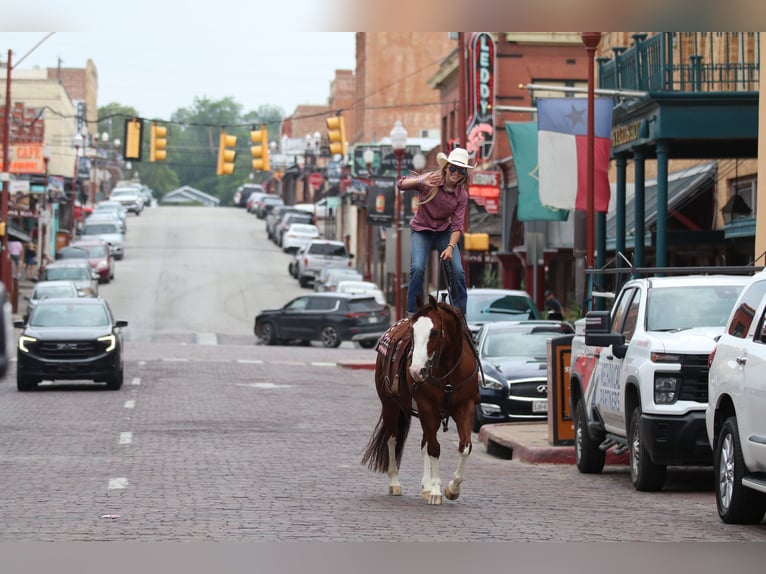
column 435, row 190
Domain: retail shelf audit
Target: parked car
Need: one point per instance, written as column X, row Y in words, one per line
column 327, row 317
column 264, row 205
column 321, row 254
column 361, row 288
column 109, row 231
column 735, row 417
column 100, row 257
column 253, row 199
column 107, row 215
column 130, row 198
column 284, row 222
column 513, row 361
column 485, row 305
column 70, row 339
column 114, row 207
column 77, row 270
column 272, row 218
column 243, row 193
column 330, row 277
column 298, row 235
column 49, row 290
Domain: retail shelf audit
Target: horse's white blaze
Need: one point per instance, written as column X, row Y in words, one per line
column 421, row 330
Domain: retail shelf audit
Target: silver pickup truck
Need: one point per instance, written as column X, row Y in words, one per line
column 321, row 254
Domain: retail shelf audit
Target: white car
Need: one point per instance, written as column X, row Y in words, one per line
column 362, row 288
column 736, row 412
column 131, row 198
column 298, row 236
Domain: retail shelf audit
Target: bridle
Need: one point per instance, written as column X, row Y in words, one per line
column 439, row 381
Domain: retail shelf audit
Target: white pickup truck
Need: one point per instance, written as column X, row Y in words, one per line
column 639, row 374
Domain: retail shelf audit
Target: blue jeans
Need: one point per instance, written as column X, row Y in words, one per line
column 421, row 244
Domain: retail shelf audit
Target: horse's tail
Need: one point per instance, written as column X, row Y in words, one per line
column 376, row 453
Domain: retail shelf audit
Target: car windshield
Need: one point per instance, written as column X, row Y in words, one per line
column 67, row 274
column 53, row 291
column 65, row 315
column 516, row 344
column 360, row 305
column 483, row 308
column 99, row 229
column 686, row 307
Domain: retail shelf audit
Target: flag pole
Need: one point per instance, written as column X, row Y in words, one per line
column 591, row 41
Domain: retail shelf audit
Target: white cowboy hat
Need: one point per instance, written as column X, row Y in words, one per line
column 457, row 156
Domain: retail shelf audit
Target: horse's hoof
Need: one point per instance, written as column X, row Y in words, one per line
column 395, row 490
column 451, row 495
column 434, row 499
column 425, row 495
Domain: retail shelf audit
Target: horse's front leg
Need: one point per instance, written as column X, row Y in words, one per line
column 464, row 422
column 394, row 487
column 431, row 483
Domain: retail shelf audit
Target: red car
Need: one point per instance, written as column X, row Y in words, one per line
column 99, row 257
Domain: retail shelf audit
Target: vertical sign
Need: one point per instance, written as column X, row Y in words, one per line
column 480, row 128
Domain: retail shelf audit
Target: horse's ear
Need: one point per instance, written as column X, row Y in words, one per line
column 418, row 301
column 431, row 300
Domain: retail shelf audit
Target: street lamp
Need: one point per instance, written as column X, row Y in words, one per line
column 368, row 155
column 77, row 142
column 398, row 143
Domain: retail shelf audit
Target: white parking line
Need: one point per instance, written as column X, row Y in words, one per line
column 126, row 437
column 250, row 361
column 135, row 381
column 175, row 359
column 117, row 483
column 323, row 364
column 130, row 404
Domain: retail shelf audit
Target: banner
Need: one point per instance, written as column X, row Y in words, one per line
column 523, row 138
column 563, row 152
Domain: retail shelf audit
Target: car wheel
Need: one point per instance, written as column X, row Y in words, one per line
column 267, row 334
column 303, row 281
column 736, row 504
column 114, row 383
column 368, row 343
column 644, row 473
column 330, row 337
column 25, row 383
column 589, row 457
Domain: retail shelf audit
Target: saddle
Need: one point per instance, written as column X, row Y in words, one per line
column 395, row 347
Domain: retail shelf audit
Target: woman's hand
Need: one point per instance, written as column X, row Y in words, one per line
column 432, row 178
column 446, row 255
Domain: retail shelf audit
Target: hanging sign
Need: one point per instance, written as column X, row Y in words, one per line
column 480, row 128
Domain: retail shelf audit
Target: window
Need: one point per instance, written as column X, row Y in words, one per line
column 745, row 311
column 747, row 189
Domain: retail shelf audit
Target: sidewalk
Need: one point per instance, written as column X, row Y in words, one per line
column 528, row 442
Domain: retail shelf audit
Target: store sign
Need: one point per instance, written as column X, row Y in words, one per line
column 480, row 129
column 26, row 158
column 484, row 189
column 384, row 163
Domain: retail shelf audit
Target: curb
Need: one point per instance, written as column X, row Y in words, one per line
column 357, row 365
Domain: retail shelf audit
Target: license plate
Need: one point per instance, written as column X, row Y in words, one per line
column 540, row 407
column 373, row 319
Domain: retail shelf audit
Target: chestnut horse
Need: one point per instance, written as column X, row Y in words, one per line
column 426, row 367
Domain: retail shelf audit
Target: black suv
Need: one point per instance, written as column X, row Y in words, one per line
column 70, row 339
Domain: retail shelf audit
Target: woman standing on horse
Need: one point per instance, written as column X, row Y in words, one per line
column 439, row 222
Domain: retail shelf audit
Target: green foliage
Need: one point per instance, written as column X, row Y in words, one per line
column 489, row 278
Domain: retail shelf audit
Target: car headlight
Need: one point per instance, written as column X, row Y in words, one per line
column 102, row 265
column 665, row 388
column 666, row 358
column 110, row 341
column 491, row 383
column 25, row 340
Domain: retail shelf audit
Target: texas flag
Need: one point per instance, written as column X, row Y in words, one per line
column 562, row 152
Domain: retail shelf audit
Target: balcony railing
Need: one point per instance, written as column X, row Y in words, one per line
column 685, row 62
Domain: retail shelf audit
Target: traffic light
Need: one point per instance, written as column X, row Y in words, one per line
column 225, row 155
column 133, row 141
column 260, row 149
column 336, row 133
column 158, row 143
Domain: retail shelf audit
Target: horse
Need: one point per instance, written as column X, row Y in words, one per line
column 426, row 367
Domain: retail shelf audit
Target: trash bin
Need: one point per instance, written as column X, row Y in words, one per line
column 560, row 423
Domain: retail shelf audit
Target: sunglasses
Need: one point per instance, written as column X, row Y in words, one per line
column 455, row 169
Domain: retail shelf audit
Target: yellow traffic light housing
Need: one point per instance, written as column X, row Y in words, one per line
column 133, row 142
column 260, row 149
column 158, row 143
column 336, row 134
column 226, row 156
column 476, row 241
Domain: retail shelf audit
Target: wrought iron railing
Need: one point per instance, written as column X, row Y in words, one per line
column 685, row 62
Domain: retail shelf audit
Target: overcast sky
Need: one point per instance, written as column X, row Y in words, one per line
column 160, row 71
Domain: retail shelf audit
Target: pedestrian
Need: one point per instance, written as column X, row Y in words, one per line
column 439, row 223
column 30, row 258
column 14, row 250
column 553, row 306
